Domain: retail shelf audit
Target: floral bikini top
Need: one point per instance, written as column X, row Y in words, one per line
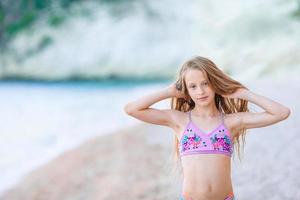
column 195, row 141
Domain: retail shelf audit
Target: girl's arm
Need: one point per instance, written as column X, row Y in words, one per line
column 274, row 112
column 140, row 108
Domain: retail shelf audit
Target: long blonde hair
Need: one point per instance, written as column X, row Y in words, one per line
column 222, row 84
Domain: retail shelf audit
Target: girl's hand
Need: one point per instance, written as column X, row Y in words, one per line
column 176, row 91
column 240, row 93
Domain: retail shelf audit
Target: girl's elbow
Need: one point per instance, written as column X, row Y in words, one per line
column 131, row 109
column 128, row 109
column 285, row 113
column 288, row 112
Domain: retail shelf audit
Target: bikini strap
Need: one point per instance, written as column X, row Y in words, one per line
column 190, row 118
column 222, row 117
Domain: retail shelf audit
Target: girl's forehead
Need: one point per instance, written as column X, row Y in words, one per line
column 194, row 76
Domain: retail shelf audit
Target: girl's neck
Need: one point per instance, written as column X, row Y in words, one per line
column 206, row 111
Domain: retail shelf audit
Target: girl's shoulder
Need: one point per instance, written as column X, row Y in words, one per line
column 179, row 121
column 179, row 114
column 231, row 122
column 180, row 118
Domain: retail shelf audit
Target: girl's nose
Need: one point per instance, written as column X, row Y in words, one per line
column 201, row 90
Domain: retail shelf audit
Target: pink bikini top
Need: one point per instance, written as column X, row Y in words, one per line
column 196, row 141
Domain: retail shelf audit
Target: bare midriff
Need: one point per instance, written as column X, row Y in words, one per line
column 206, row 176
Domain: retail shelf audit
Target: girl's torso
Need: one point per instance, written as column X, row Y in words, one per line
column 207, row 173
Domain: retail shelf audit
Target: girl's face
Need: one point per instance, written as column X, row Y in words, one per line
column 198, row 87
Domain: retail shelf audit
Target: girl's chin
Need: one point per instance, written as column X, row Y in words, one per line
column 203, row 102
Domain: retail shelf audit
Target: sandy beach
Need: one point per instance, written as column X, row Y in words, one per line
column 130, row 164
column 136, row 163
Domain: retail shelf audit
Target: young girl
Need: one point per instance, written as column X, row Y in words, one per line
column 209, row 114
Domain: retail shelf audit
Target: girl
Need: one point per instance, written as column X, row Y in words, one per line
column 209, row 114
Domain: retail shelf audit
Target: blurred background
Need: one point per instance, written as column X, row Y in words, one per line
column 67, row 67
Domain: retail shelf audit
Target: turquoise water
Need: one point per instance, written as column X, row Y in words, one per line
column 89, row 84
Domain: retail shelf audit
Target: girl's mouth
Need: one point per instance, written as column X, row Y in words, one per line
column 202, row 98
